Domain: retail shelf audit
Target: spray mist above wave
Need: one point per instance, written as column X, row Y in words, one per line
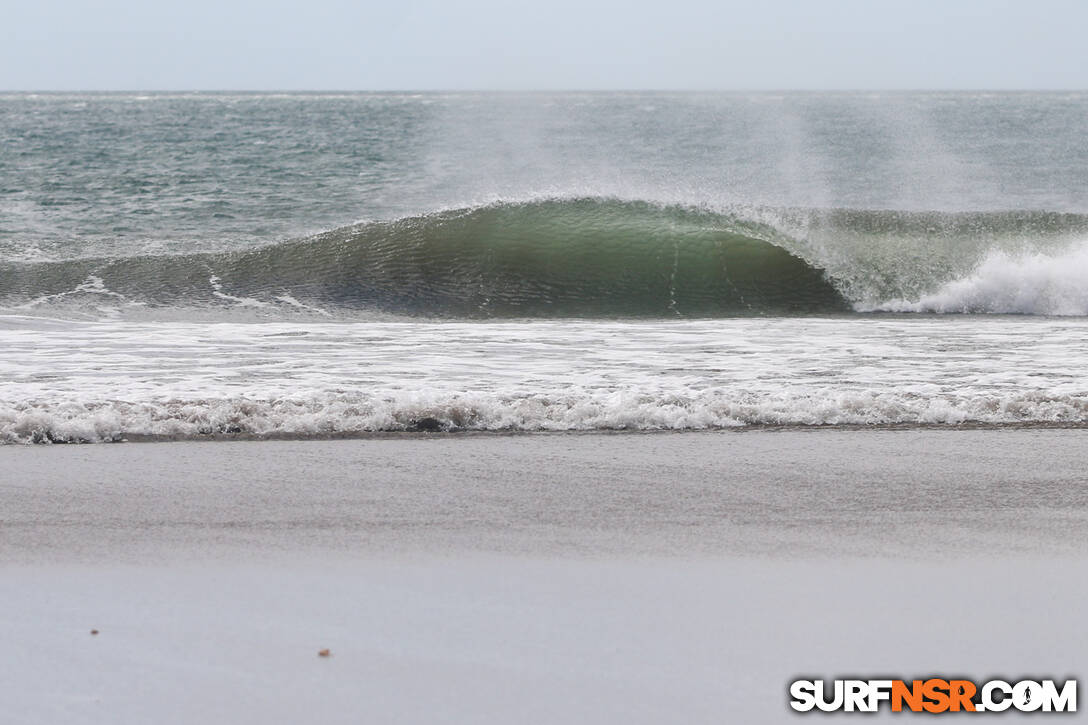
column 603, row 257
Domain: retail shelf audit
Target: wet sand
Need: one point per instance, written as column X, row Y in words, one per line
column 535, row 578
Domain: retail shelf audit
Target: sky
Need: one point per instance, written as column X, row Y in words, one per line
column 542, row 45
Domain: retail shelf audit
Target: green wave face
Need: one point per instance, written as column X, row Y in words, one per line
column 606, row 258
column 584, row 257
column 552, row 258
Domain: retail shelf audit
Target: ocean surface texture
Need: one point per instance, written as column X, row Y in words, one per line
column 293, row 265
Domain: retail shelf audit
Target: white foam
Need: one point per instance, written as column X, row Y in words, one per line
column 1027, row 284
column 109, row 380
column 217, row 290
column 356, row 413
column 288, row 299
column 92, row 285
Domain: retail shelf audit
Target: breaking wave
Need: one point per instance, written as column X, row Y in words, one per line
column 599, row 257
column 347, row 414
column 1029, row 284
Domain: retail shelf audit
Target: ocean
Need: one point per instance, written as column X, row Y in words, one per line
column 219, row 266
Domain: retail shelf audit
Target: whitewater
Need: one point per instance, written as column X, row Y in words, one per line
column 216, row 266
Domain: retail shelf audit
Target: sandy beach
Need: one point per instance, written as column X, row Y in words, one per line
column 612, row 364
column 532, row 578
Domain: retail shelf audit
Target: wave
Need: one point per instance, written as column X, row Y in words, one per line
column 590, row 257
column 347, row 414
column 551, row 258
column 1028, row 284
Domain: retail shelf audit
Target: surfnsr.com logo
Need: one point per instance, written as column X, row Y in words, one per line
column 933, row 695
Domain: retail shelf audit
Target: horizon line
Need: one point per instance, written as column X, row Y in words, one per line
column 538, row 90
